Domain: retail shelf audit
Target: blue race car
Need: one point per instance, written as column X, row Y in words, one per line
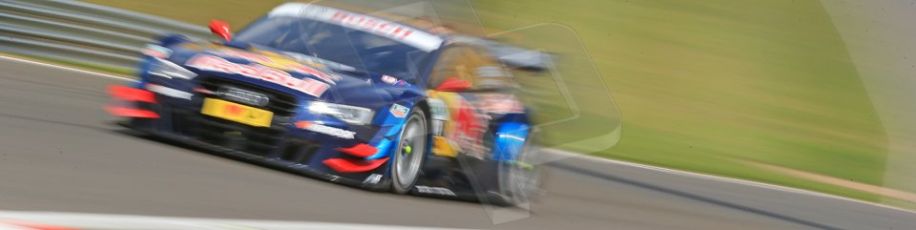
column 347, row 97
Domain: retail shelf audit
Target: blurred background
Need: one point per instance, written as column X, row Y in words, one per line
column 803, row 93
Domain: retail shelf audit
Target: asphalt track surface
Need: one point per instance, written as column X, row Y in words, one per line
column 59, row 151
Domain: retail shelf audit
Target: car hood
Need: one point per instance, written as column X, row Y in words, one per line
column 305, row 79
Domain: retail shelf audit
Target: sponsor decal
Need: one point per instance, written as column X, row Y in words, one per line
column 243, row 96
column 439, row 115
column 469, row 129
column 373, row 179
column 393, row 81
column 389, row 79
column 438, row 109
column 328, row 130
column 399, row 32
column 435, row 190
column 278, row 62
column 399, row 111
column 371, row 24
column 213, row 63
column 460, row 123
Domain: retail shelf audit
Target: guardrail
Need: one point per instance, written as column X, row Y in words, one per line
column 81, row 32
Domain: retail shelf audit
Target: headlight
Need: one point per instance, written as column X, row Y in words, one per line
column 349, row 114
column 167, row 69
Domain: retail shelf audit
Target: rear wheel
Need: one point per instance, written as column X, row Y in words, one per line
column 409, row 153
column 518, row 179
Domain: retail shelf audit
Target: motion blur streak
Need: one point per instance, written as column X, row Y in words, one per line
column 18, row 220
column 65, row 158
column 879, row 37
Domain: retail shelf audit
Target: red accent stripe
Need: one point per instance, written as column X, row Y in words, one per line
column 352, row 165
column 131, row 94
column 302, row 124
column 359, row 150
column 131, row 112
column 36, row 226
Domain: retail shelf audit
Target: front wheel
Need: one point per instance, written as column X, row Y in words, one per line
column 409, row 153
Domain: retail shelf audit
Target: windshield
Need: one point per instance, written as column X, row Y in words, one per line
column 359, row 49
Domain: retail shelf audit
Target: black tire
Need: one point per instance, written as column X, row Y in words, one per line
column 410, row 152
column 506, row 183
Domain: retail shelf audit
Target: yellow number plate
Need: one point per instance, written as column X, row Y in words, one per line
column 237, row 112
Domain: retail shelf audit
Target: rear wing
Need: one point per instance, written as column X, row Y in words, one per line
column 512, row 56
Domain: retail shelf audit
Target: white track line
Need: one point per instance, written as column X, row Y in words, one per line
column 9, row 220
column 565, row 154
column 87, row 72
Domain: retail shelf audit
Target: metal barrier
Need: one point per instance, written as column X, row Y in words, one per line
column 81, row 32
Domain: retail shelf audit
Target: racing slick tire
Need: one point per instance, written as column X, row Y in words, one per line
column 511, row 183
column 518, row 180
column 410, row 152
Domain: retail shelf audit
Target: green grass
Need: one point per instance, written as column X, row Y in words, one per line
column 696, row 85
column 701, row 84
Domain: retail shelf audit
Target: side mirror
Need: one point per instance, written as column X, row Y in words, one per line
column 221, row 29
column 452, row 84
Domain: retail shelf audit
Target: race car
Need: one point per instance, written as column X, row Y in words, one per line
column 351, row 98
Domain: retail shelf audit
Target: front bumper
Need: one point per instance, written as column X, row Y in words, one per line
column 281, row 145
column 281, row 164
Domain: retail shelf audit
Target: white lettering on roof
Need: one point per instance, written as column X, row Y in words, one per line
column 405, row 34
